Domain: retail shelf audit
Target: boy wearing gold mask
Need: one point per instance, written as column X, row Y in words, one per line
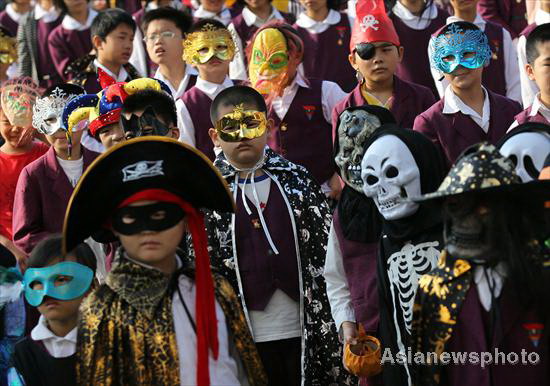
column 300, row 108
column 210, row 48
column 272, row 249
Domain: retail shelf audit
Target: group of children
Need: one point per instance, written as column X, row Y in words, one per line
column 243, row 149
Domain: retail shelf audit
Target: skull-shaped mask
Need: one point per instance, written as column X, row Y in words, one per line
column 354, row 129
column 527, row 151
column 390, row 176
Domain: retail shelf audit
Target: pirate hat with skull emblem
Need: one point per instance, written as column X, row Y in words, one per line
column 527, row 145
column 481, row 167
column 163, row 170
column 372, row 25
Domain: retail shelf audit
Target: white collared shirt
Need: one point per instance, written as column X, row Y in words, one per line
column 412, row 21
column 338, row 291
column 528, row 87
column 47, row 16
column 511, row 70
column 317, row 27
column 13, row 14
column 177, row 92
column 536, row 107
column 331, row 94
column 57, row 346
column 223, row 16
column 71, row 23
column 250, row 18
column 493, row 279
column 122, row 74
column 185, row 123
column 453, row 104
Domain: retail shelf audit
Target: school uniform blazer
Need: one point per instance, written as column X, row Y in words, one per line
column 409, row 100
column 41, row 197
column 508, row 13
column 453, row 133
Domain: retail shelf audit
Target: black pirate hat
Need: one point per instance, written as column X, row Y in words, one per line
column 136, row 165
column 481, row 168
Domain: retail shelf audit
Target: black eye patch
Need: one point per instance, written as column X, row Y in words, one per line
column 132, row 220
column 365, row 50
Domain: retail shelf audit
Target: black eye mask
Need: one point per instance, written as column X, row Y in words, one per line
column 146, row 124
column 132, row 220
column 365, row 50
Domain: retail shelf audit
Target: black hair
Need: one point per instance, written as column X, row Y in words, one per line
column 60, row 4
column 235, row 95
column 199, row 25
column 463, row 25
column 162, row 103
column 538, row 36
column 6, row 32
column 107, row 21
column 181, row 19
column 50, row 249
column 67, row 88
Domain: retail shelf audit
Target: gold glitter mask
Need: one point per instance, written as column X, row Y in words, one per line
column 8, row 49
column 201, row 46
column 241, row 124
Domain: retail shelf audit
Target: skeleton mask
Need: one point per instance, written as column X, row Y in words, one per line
column 527, row 150
column 354, row 129
column 466, row 231
column 390, row 175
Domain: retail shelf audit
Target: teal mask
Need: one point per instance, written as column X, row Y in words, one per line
column 64, row 281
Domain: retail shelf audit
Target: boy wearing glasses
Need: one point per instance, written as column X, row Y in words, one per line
column 467, row 113
column 164, row 30
column 375, row 53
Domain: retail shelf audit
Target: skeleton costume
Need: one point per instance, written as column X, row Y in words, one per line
column 527, row 145
column 399, row 164
column 490, row 288
column 308, row 222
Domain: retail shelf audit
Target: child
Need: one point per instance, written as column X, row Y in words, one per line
column 375, row 54
column 502, row 74
column 15, row 10
column 112, row 34
column 538, row 60
column 18, row 97
column 415, row 21
column 35, row 60
column 213, row 9
column 8, row 55
column 300, row 108
column 468, row 113
column 210, row 48
column 71, row 40
column 243, row 27
column 528, row 87
column 272, row 248
column 165, row 29
column 145, row 192
column 326, row 34
column 56, row 284
column 45, row 185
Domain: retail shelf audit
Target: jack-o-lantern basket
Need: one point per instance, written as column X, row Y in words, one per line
column 363, row 358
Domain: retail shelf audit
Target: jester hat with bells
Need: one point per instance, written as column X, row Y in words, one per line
column 104, row 108
column 160, row 169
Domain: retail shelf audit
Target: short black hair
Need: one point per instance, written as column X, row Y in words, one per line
column 49, row 249
column 68, row 88
column 537, row 36
column 107, row 21
column 60, row 5
column 235, row 95
column 199, row 25
column 181, row 19
column 162, row 103
column 463, row 25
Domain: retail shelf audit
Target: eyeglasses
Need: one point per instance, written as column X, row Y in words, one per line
column 163, row 35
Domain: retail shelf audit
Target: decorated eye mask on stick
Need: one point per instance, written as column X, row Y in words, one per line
column 458, row 47
column 64, row 281
column 131, row 220
column 201, row 46
column 48, row 111
column 241, row 124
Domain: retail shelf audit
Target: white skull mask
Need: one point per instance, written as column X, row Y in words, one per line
column 390, row 175
column 527, row 151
